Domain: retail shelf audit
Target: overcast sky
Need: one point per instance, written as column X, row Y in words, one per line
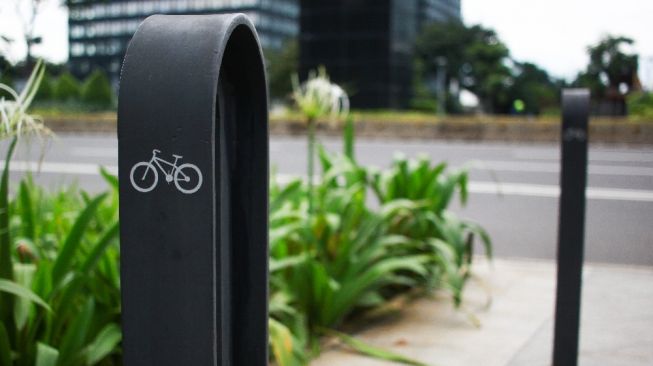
column 551, row 33
column 555, row 33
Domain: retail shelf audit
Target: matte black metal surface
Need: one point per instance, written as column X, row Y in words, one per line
column 194, row 253
column 571, row 226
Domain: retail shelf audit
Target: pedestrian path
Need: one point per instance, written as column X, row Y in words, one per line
column 516, row 329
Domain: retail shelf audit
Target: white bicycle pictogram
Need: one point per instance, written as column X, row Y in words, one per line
column 144, row 175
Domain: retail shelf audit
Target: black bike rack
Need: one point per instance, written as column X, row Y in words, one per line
column 571, row 225
column 194, row 241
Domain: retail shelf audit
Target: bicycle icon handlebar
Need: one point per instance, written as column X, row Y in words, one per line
column 144, row 175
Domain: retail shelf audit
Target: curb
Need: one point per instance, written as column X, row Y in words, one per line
column 607, row 131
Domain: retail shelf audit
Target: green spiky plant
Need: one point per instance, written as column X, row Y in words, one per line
column 15, row 123
column 349, row 258
column 59, row 296
column 415, row 195
column 66, row 289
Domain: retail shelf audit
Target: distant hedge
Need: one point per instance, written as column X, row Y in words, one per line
column 46, row 89
column 640, row 105
column 67, row 88
column 97, row 91
column 66, row 91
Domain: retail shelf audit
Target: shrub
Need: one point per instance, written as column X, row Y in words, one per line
column 97, row 91
column 640, row 105
column 46, row 89
column 424, row 104
column 346, row 257
column 67, row 88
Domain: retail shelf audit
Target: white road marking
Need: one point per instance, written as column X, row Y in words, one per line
column 509, row 189
column 551, row 191
column 94, row 152
column 594, row 156
column 58, row 168
column 537, row 167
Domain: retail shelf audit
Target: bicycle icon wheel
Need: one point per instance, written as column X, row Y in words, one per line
column 141, row 178
column 188, row 178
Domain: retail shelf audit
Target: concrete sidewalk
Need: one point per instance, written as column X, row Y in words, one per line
column 516, row 329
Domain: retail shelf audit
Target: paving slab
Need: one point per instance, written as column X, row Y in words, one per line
column 516, row 329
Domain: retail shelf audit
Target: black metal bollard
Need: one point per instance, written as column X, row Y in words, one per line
column 193, row 167
column 571, row 225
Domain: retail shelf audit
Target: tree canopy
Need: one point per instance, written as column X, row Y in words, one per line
column 612, row 71
column 478, row 61
column 281, row 65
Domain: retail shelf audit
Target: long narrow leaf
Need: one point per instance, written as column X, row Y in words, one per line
column 105, row 240
column 27, row 214
column 15, row 289
column 46, row 355
column 75, row 336
column 290, row 190
column 372, row 351
column 109, row 178
column 6, row 265
column 103, row 345
column 23, row 275
column 281, row 342
column 65, row 258
column 5, row 347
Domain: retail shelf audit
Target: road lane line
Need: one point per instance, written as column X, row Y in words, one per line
column 478, row 187
column 594, row 156
column 551, row 191
column 94, row 152
column 58, row 168
column 532, row 167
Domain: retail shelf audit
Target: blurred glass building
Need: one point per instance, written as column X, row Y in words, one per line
column 439, row 10
column 367, row 45
column 99, row 30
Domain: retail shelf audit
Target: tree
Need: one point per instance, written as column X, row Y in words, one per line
column 475, row 58
column 97, row 91
column 611, row 72
column 281, row 65
column 27, row 11
column 534, row 87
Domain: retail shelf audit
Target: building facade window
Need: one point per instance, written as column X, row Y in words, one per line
column 99, row 30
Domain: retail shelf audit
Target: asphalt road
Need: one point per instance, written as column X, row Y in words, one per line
column 513, row 187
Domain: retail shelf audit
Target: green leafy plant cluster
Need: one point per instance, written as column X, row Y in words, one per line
column 62, row 305
column 353, row 254
column 348, row 257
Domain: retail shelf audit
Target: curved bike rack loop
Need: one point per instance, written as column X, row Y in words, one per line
column 194, row 261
